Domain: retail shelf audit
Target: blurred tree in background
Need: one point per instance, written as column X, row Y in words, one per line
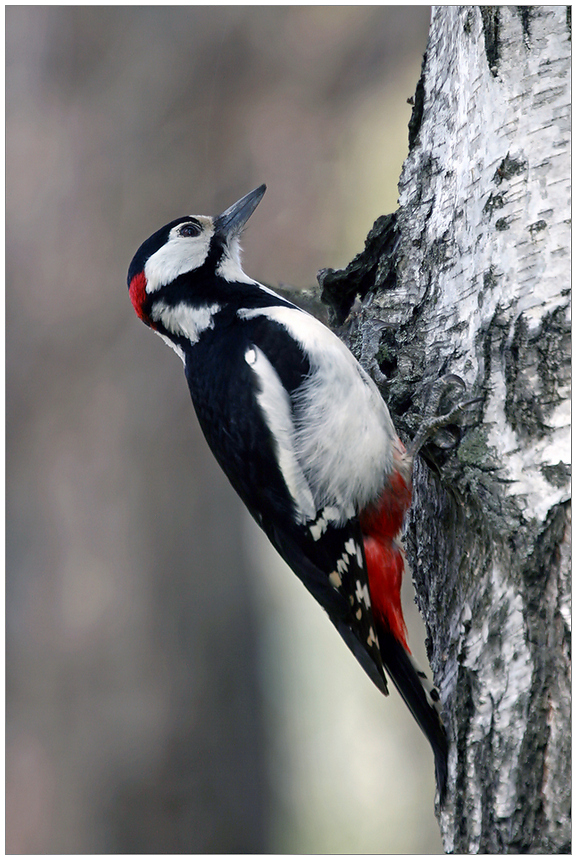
column 164, row 690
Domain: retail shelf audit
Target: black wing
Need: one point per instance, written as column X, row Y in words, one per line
column 325, row 552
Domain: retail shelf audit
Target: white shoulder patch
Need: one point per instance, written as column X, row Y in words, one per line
column 182, row 319
column 276, row 407
column 344, row 435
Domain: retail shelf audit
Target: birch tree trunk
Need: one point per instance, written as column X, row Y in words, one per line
column 471, row 276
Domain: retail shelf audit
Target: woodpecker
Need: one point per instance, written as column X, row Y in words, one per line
column 302, row 433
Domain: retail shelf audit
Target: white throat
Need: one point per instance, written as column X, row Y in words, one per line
column 230, row 266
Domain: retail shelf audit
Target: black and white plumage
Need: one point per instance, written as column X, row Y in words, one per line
column 300, row 430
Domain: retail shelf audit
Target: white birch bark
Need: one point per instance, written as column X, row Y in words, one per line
column 472, row 276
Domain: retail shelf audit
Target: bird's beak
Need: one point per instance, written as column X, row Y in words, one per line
column 231, row 222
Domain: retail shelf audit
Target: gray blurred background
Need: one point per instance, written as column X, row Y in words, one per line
column 171, row 687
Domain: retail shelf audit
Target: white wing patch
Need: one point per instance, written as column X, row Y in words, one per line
column 362, row 593
column 182, row 319
column 372, row 639
column 351, row 549
column 329, row 514
column 275, row 403
column 344, row 435
column 250, row 356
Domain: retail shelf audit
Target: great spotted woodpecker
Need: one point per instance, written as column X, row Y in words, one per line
column 302, row 433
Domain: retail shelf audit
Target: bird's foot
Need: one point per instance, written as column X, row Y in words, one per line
column 432, row 423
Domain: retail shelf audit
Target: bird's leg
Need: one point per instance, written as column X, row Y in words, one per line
column 368, row 358
column 432, row 422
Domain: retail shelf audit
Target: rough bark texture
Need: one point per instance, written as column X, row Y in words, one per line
column 471, row 276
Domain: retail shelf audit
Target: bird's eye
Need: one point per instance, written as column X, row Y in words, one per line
column 190, row 229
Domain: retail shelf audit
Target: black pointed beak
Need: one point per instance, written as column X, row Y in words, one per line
column 232, row 221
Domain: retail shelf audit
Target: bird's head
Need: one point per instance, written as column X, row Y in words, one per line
column 181, row 262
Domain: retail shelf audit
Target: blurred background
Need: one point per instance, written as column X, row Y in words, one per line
column 171, row 686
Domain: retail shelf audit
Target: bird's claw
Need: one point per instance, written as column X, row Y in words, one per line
column 432, row 422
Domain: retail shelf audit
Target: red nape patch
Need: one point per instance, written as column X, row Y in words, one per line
column 385, row 566
column 137, row 293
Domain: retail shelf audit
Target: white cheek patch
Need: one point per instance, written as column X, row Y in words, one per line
column 184, row 320
column 180, row 254
column 275, row 404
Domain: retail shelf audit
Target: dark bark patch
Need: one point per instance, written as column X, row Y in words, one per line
column 469, row 22
column 508, row 168
column 494, row 201
column 537, row 227
column 489, row 278
column 491, row 17
column 557, row 475
column 375, row 264
column 525, row 14
column 418, row 106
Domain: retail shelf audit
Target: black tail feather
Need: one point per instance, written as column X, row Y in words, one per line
column 419, row 695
